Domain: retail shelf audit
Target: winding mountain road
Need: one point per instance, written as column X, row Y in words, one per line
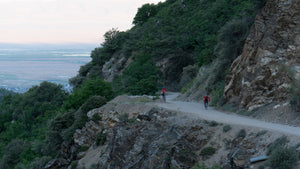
column 198, row 110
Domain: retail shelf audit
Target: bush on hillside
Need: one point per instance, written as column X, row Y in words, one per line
column 90, row 88
column 12, row 153
column 5, row 92
column 226, row 128
column 25, row 116
column 283, row 158
column 230, row 44
column 54, row 135
column 208, row 151
column 113, row 41
column 92, row 103
column 188, row 74
column 295, row 95
column 101, row 138
column 280, row 142
column 39, row 162
column 144, row 13
column 241, row 134
column 80, row 116
column 141, row 77
column 259, row 4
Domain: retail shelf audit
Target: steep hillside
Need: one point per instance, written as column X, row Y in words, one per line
column 166, row 38
column 270, row 62
column 132, row 132
column 264, row 79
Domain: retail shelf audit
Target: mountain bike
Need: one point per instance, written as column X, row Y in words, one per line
column 164, row 97
column 206, row 105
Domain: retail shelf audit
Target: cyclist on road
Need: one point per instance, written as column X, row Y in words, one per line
column 164, row 90
column 206, row 99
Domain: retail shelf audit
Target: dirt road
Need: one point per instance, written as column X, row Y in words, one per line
column 198, row 110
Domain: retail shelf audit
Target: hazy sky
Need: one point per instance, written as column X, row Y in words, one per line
column 64, row 21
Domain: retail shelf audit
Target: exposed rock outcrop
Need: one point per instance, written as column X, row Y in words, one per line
column 261, row 75
column 140, row 135
column 115, row 66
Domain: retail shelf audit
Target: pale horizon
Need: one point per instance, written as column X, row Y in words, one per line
column 64, row 21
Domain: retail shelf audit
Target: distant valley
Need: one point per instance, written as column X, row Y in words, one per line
column 23, row 65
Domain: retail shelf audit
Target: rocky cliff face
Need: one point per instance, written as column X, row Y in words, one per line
column 261, row 75
column 131, row 132
column 134, row 133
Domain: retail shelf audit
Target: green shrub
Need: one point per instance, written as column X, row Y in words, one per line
column 125, row 118
column 113, row 40
column 213, row 123
column 54, row 136
column 96, row 117
column 80, row 116
column 283, row 158
column 92, row 103
column 217, row 94
column 216, row 166
column 295, row 95
column 208, row 151
column 226, row 128
column 241, row 134
column 156, row 97
column 101, row 138
column 39, row 162
column 12, row 153
column 261, row 133
column 83, row 148
column 74, row 164
column 93, row 166
column 261, row 167
column 144, row 13
column 30, row 112
column 95, row 87
column 5, row 92
column 141, row 77
column 188, row 77
column 280, row 142
column 202, row 166
column 230, row 107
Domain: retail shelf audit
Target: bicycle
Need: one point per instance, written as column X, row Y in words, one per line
column 206, row 105
column 164, row 97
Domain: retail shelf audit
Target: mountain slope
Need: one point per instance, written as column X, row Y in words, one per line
column 170, row 36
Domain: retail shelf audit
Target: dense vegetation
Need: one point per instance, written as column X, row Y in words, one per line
column 184, row 33
column 4, row 92
column 33, row 125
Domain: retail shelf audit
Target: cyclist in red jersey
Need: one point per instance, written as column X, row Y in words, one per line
column 206, row 99
column 164, row 93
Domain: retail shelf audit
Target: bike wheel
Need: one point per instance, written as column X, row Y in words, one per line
column 205, row 105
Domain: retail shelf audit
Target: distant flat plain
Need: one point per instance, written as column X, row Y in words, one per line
column 21, row 68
